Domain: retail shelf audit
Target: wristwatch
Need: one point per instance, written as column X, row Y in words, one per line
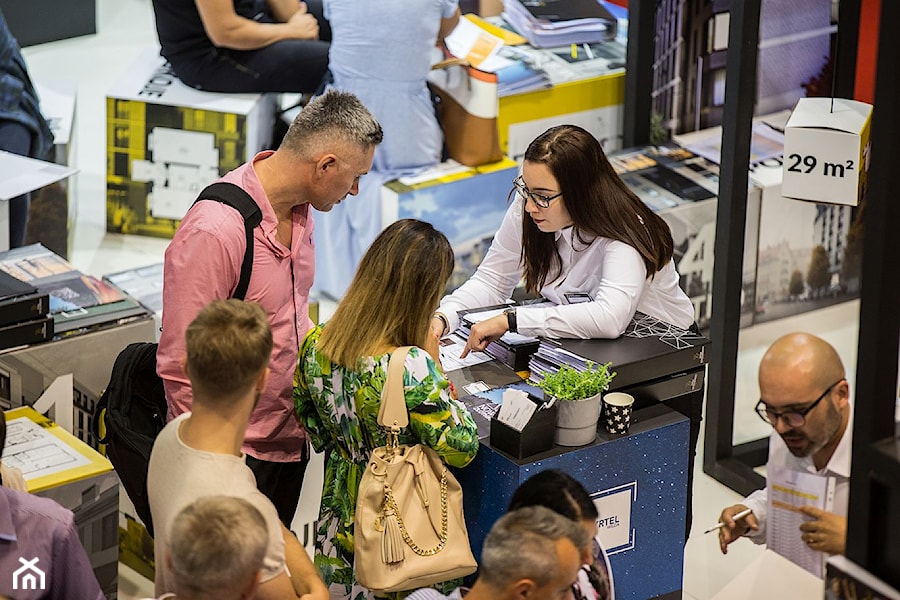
column 511, row 320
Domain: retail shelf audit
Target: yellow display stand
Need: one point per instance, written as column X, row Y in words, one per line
column 59, row 466
column 166, row 141
column 594, row 103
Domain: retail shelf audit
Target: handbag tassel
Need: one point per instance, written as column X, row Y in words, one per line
column 391, row 540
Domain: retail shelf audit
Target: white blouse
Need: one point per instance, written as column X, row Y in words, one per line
column 610, row 273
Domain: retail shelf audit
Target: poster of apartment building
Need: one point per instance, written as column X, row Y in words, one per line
column 809, row 253
column 804, row 255
column 691, row 43
column 682, row 188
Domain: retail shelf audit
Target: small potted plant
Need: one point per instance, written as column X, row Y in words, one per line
column 578, row 396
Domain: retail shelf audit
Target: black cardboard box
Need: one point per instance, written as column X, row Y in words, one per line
column 537, row 436
column 39, row 21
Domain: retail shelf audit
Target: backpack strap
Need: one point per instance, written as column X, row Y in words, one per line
column 238, row 199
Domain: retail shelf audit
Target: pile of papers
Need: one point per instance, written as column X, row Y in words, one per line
column 549, row 357
column 518, row 77
column 549, row 23
column 512, row 349
column 474, row 41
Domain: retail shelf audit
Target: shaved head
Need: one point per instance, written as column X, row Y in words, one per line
column 802, row 356
column 795, row 371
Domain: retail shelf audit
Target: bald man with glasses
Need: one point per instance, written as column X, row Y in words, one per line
column 805, row 397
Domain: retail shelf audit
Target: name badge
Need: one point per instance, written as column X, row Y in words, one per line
column 577, row 297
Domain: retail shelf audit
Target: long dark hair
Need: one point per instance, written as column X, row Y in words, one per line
column 564, row 495
column 558, row 491
column 598, row 201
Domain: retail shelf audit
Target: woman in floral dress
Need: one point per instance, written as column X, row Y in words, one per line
column 341, row 371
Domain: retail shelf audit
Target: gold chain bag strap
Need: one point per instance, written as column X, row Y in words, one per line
column 409, row 529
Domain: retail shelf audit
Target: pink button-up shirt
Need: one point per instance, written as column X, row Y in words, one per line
column 203, row 263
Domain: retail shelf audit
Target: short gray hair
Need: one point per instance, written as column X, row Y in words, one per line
column 335, row 116
column 522, row 544
column 217, row 544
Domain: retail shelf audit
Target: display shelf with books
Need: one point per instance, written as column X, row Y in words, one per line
column 78, row 303
column 587, row 91
column 24, row 313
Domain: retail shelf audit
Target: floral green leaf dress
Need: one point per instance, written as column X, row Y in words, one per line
column 339, row 409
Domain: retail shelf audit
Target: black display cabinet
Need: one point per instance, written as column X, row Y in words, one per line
column 39, row 21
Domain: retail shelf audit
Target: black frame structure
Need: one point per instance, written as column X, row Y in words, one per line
column 730, row 464
column 638, row 73
column 874, row 512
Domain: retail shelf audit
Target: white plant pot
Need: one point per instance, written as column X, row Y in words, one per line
column 576, row 421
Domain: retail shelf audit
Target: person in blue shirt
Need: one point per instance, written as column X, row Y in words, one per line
column 23, row 129
column 382, row 52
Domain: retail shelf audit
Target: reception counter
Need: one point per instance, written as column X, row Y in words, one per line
column 637, row 481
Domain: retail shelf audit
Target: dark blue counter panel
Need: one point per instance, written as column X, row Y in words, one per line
column 638, row 482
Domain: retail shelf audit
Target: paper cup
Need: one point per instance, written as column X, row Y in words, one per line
column 617, row 412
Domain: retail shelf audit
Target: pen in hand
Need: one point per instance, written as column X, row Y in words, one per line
column 740, row 515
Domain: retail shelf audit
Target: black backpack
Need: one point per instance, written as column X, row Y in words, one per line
column 132, row 408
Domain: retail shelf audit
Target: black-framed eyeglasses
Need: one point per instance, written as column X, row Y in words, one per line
column 540, row 200
column 794, row 418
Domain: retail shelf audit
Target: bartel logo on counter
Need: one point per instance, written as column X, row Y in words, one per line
column 614, row 517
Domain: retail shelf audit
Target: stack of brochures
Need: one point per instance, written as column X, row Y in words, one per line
column 75, row 302
column 648, row 349
column 549, row 357
column 512, row 349
column 518, row 78
column 549, row 23
column 24, row 313
column 143, row 284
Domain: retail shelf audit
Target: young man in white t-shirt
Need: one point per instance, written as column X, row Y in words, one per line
column 199, row 453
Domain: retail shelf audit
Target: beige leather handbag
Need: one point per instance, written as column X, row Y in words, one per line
column 409, row 530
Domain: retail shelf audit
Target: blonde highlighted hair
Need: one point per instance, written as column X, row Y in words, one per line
column 394, row 293
column 218, row 544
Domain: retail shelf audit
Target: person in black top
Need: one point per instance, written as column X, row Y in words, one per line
column 244, row 45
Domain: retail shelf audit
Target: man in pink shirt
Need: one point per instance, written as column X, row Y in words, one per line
column 326, row 150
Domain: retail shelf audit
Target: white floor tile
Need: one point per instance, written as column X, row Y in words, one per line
column 133, row 585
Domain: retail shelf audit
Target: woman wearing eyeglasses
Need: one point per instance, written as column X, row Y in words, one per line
column 580, row 238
